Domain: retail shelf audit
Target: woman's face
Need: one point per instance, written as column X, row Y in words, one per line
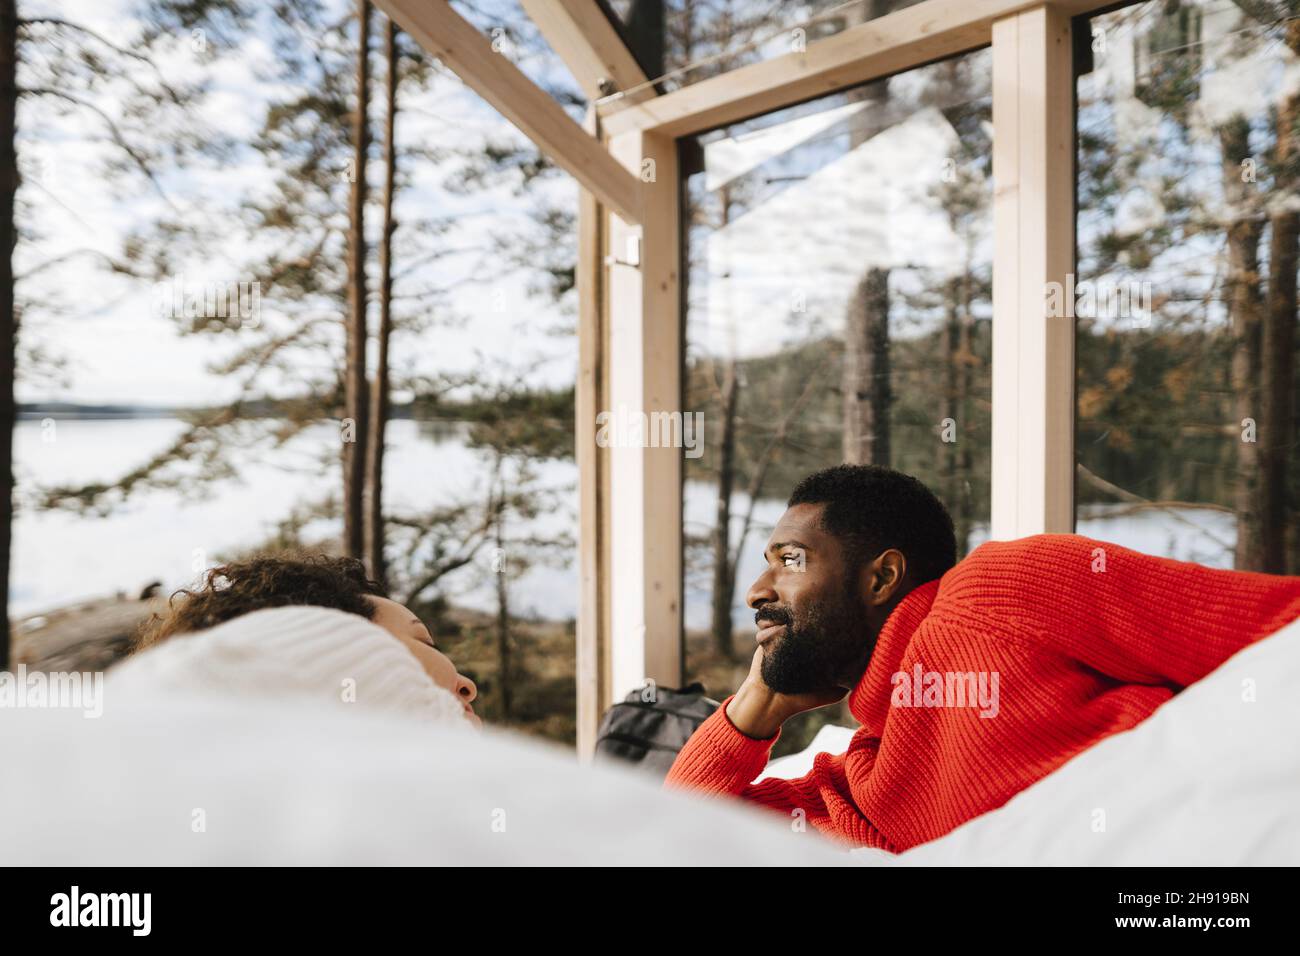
column 407, row 628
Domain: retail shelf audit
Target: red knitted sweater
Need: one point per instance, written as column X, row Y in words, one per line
column 1086, row 639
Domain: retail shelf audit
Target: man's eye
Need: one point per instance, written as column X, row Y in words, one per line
column 787, row 558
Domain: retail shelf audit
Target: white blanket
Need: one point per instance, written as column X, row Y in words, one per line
column 172, row 780
column 164, row 778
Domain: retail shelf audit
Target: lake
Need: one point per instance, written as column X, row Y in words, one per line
column 166, row 535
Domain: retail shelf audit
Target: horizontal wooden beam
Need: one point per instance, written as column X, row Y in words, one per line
column 468, row 53
column 890, row 44
column 580, row 33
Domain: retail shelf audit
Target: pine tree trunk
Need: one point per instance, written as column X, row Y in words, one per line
column 502, row 595
column 964, row 515
column 356, row 394
column 724, row 572
column 865, row 381
column 379, row 399
column 1278, row 437
column 8, row 318
column 957, row 454
column 867, row 393
column 951, row 338
column 1277, row 427
column 1293, row 484
column 1244, row 310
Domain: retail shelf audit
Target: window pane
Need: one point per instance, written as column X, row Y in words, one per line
column 838, row 308
column 1185, row 298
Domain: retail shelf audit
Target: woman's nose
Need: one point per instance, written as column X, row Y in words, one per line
column 465, row 689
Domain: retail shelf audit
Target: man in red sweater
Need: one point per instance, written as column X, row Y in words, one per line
column 970, row 682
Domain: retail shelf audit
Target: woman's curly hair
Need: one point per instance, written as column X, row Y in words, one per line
column 238, row 588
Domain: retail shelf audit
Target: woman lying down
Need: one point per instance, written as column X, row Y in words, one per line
column 238, row 735
column 312, row 625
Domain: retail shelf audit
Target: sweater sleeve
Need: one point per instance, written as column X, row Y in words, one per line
column 1130, row 616
column 719, row 760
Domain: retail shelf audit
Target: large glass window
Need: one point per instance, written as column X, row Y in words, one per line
column 838, row 309
column 1186, row 291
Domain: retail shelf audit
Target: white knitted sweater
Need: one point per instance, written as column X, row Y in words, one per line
column 313, row 652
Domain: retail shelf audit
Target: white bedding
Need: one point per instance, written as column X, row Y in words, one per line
column 302, row 735
column 296, row 782
column 1208, row 779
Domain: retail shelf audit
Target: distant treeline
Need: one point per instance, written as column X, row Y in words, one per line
column 1155, row 415
column 42, row 410
column 546, row 402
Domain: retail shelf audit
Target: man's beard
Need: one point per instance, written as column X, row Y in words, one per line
column 816, row 650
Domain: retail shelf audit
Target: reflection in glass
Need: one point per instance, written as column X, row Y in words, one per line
column 838, row 309
column 1185, row 298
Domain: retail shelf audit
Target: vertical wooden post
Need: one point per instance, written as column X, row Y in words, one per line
column 593, row 470
column 1033, row 222
column 644, row 350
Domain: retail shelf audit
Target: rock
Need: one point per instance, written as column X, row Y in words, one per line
column 87, row 636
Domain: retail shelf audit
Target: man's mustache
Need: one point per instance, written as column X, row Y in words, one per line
column 772, row 614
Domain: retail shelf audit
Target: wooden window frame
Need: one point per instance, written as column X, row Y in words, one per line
column 631, row 321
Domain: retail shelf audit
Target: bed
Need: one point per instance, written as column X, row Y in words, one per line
column 1213, row 777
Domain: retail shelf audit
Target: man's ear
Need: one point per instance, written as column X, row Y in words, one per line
column 885, row 577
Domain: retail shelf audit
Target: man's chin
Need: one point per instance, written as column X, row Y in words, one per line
column 778, row 682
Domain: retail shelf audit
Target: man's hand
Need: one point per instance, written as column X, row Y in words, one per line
column 758, row 711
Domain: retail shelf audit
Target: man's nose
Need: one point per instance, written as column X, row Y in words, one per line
column 761, row 592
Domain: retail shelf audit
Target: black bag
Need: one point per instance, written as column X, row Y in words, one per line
column 651, row 725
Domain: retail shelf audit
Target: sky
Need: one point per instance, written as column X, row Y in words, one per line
column 107, row 331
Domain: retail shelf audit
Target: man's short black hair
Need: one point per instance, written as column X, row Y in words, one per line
column 871, row 509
